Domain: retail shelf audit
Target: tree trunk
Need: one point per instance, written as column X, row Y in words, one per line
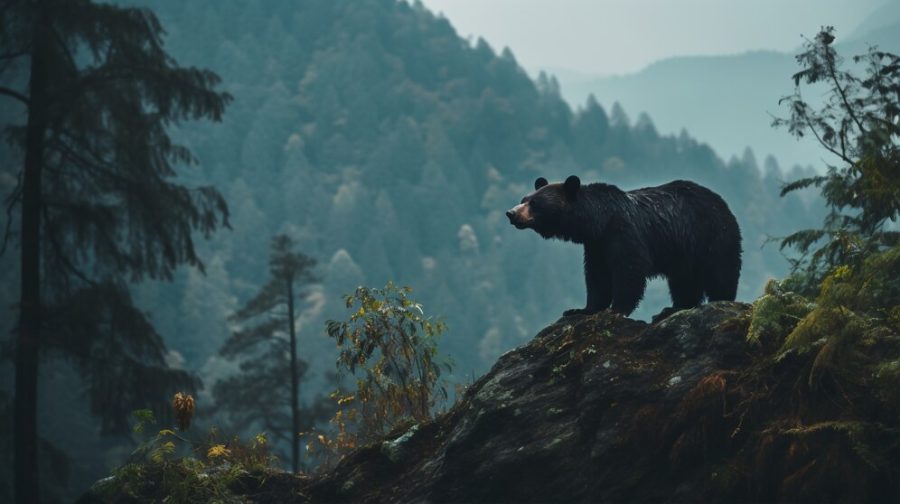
column 295, row 382
column 25, row 454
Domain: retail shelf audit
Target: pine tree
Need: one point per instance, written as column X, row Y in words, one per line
column 590, row 132
column 98, row 200
column 267, row 348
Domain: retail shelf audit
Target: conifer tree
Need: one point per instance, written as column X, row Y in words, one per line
column 98, row 200
column 267, row 348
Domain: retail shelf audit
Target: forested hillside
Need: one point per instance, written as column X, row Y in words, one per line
column 389, row 148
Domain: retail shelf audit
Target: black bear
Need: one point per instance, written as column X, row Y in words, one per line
column 679, row 230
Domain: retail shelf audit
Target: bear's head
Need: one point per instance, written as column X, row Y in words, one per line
column 550, row 210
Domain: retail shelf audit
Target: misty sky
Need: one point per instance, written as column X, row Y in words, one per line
column 621, row 36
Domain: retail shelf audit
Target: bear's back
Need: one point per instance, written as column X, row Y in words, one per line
column 678, row 217
column 679, row 196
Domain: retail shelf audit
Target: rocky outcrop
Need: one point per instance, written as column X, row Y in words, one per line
column 602, row 408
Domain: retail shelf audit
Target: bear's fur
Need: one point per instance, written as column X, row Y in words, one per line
column 679, row 230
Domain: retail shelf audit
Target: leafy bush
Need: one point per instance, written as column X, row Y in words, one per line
column 856, row 311
column 206, row 471
column 776, row 312
column 389, row 347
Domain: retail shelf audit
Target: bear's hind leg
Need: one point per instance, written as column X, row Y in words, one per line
column 686, row 291
column 720, row 283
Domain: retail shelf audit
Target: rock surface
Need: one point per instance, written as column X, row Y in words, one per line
column 603, row 408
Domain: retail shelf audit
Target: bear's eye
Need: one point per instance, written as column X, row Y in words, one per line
column 533, row 205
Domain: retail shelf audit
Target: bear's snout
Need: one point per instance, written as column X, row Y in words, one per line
column 519, row 216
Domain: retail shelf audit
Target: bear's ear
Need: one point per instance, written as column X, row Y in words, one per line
column 572, row 185
column 540, row 182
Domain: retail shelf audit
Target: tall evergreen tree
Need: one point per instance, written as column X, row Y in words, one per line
column 98, row 200
column 590, row 129
column 270, row 340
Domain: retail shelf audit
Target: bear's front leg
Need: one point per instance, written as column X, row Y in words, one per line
column 597, row 281
column 628, row 290
column 629, row 280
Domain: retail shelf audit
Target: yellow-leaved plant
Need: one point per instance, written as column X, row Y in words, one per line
column 388, row 349
column 206, row 470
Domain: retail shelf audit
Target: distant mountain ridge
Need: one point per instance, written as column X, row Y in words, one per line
column 885, row 18
column 729, row 100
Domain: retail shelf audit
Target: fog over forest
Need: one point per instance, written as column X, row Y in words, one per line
column 388, row 147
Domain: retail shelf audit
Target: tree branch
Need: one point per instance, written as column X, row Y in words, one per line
column 822, row 142
column 12, row 93
column 7, row 234
column 60, row 255
column 844, row 100
column 11, row 200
